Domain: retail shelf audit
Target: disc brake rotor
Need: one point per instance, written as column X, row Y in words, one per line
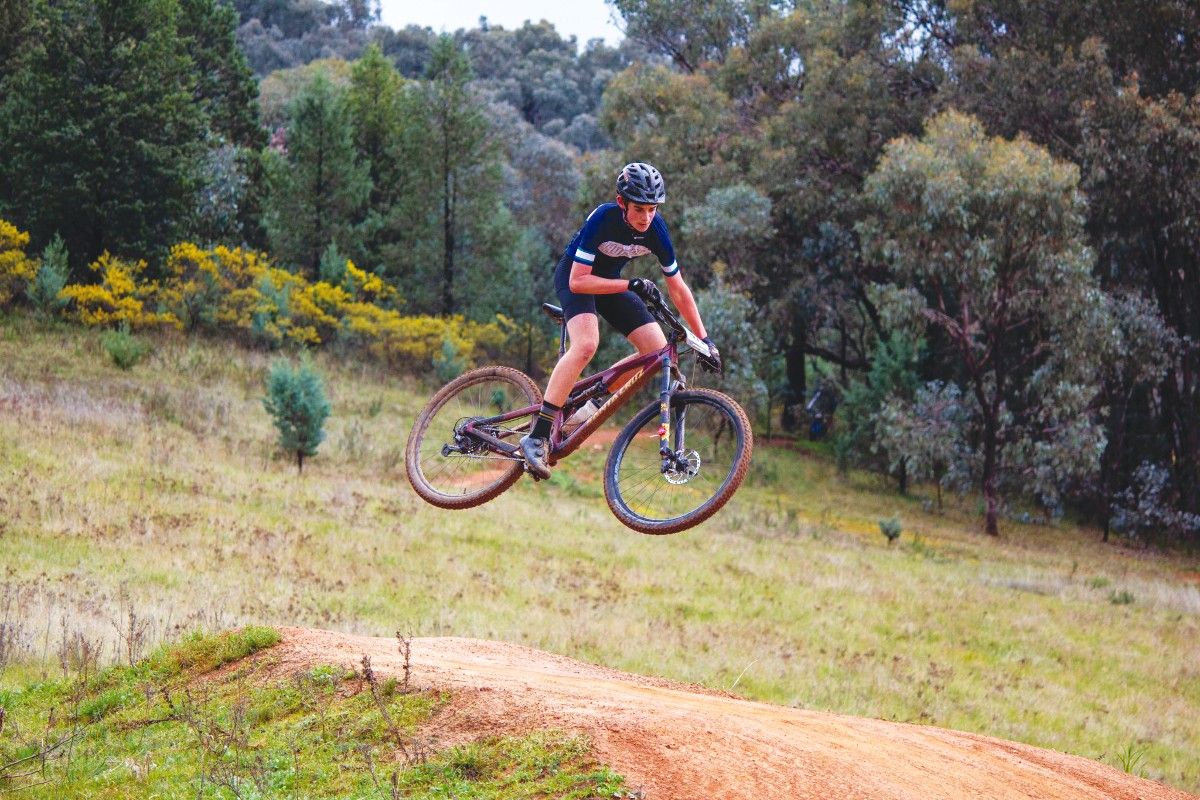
column 686, row 467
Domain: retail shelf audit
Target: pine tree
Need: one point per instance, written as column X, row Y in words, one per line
column 43, row 291
column 102, row 136
column 453, row 186
column 375, row 101
column 296, row 401
column 317, row 187
column 225, row 86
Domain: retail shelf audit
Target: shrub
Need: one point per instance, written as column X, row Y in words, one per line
column 16, row 269
column 45, row 289
column 297, row 403
column 332, row 269
column 123, row 347
column 890, row 528
column 119, row 297
column 1150, row 507
column 1122, row 598
column 449, row 363
column 193, row 288
column 238, row 291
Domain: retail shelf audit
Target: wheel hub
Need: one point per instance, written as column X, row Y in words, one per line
column 684, row 467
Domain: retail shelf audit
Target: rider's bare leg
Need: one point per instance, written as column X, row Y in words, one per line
column 646, row 338
column 583, row 331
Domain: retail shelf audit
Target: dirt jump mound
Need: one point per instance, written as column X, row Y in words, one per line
column 680, row 742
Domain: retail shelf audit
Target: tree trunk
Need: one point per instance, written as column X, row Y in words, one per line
column 797, row 380
column 1182, row 419
column 902, row 478
column 990, row 494
column 447, row 231
column 528, row 348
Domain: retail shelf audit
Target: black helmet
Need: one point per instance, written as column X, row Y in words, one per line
column 641, row 183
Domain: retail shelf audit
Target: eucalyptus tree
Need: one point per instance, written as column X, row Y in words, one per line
column 1113, row 87
column 984, row 241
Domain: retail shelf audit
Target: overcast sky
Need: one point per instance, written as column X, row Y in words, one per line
column 584, row 19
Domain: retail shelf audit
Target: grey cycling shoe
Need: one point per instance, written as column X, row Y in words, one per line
column 534, row 450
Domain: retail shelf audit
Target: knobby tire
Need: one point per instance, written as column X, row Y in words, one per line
column 738, row 465
column 511, row 471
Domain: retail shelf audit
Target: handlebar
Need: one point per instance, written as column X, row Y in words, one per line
column 665, row 316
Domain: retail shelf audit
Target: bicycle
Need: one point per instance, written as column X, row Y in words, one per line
column 672, row 466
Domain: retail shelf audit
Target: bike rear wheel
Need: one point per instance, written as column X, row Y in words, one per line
column 711, row 438
column 450, row 469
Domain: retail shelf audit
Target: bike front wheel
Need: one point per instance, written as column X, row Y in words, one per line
column 711, row 443
column 450, row 469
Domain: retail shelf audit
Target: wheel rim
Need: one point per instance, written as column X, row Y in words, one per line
column 451, row 464
column 705, row 462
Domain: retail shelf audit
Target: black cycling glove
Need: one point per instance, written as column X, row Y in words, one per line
column 714, row 357
column 647, row 290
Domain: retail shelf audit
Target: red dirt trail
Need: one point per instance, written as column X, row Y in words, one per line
column 678, row 742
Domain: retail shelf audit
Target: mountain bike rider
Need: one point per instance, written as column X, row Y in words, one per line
column 588, row 283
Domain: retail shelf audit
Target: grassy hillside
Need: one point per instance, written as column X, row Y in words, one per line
column 136, row 506
column 171, row 725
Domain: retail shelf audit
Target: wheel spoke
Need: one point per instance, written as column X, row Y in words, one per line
column 706, row 443
column 471, row 469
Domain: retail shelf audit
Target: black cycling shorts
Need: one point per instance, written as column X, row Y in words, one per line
column 625, row 311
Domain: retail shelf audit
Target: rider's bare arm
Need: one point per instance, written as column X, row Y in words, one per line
column 584, row 282
column 681, row 296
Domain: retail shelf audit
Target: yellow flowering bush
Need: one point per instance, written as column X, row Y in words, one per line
column 16, row 269
column 119, row 297
column 240, row 292
column 368, row 286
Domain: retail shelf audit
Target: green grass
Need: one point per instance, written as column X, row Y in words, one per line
column 157, row 729
column 159, row 492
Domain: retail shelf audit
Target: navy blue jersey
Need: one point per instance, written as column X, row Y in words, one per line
column 607, row 243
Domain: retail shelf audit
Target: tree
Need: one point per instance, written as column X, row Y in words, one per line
column 44, row 291
column 690, row 33
column 15, row 16
column 1141, row 156
column 731, row 230
column 225, row 88
column 985, row 240
column 829, row 88
column 926, row 436
column 863, row 433
column 226, row 91
column 317, row 187
column 374, row 101
column 731, row 320
column 279, row 89
column 101, row 131
column 1105, row 84
column 462, row 179
column 683, row 124
column 297, row 404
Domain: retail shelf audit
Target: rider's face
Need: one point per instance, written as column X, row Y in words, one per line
column 638, row 215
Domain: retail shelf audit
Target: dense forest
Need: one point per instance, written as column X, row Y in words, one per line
column 975, row 223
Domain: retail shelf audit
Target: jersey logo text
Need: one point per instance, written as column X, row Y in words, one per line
column 618, row 250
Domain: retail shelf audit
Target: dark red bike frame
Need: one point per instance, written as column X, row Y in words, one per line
column 583, row 391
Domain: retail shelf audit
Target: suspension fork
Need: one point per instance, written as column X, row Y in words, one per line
column 672, row 381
